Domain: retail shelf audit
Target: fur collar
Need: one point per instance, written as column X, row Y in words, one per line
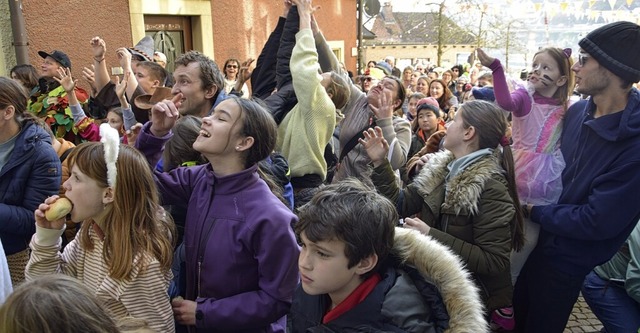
column 446, row 270
column 463, row 190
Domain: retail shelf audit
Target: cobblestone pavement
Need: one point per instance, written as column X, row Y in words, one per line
column 582, row 319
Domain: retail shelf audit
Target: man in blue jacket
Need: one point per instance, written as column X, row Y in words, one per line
column 598, row 207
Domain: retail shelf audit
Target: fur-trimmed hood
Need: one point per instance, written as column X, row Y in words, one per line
column 438, row 263
column 463, row 191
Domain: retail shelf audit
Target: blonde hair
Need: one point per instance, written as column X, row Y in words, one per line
column 339, row 90
column 135, row 225
column 53, row 304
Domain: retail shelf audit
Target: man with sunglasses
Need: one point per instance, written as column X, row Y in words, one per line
column 598, row 207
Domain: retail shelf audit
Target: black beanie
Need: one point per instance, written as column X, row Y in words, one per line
column 616, row 46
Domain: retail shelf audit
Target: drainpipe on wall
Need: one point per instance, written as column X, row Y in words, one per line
column 19, row 32
column 359, row 58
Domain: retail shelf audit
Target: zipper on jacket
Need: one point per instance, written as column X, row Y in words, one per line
column 201, row 251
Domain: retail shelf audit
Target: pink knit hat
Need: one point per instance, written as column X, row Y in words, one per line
column 428, row 100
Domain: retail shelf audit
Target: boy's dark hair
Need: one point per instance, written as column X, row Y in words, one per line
column 155, row 71
column 353, row 213
column 178, row 150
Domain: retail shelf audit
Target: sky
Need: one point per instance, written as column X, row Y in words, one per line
column 406, row 5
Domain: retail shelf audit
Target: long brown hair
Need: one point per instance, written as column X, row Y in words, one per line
column 13, row 93
column 443, row 100
column 258, row 124
column 179, row 149
column 27, row 74
column 492, row 125
column 135, row 226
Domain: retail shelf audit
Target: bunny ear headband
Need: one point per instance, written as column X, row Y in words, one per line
column 111, row 143
column 567, row 52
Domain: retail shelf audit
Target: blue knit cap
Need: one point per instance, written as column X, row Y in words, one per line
column 484, row 93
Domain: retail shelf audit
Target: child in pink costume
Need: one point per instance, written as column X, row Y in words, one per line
column 538, row 111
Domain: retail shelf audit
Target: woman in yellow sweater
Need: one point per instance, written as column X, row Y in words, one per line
column 306, row 130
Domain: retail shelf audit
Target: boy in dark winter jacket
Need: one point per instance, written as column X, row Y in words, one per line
column 359, row 273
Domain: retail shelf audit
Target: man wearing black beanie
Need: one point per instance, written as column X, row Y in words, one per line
column 598, row 207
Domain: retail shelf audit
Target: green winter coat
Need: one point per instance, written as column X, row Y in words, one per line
column 472, row 214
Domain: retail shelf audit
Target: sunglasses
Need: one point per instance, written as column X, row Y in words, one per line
column 232, row 66
column 367, row 79
column 582, row 58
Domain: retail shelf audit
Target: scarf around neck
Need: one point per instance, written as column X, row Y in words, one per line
column 458, row 165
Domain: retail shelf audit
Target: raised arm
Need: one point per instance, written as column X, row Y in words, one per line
column 87, row 129
column 124, row 56
column 328, row 62
column 156, row 132
column 519, row 102
column 396, row 131
column 98, row 49
column 45, row 246
column 407, row 201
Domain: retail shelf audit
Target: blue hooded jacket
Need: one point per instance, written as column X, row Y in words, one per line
column 31, row 175
column 599, row 205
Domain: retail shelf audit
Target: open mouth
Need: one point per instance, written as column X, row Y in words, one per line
column 205, row 134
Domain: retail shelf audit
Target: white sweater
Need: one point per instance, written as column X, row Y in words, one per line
column 5, row 277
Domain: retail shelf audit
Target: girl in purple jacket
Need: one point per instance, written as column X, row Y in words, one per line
column 241, row 253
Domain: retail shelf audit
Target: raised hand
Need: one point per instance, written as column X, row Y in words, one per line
column 314, row 24
column 164, row 115
column 245, row 71
column 121, row 86
column 42, row 221
column 65, row 80
column 132, row 133
column 98, row 48
column 287, row 6
column 89, row 74
column 124, row 56
column 385, row 105
column 484, row 58
column 305, row 7
column 375, row 145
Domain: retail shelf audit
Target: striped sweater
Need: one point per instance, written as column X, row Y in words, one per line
column 144, row 296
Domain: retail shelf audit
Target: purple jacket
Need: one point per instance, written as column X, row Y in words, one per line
column 241, row 253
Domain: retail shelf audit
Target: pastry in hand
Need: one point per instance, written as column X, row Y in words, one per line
column 58, row 209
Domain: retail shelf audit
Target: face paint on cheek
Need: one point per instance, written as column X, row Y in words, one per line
column 545, row 78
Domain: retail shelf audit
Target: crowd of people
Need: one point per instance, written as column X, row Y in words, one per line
column 287, row 196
